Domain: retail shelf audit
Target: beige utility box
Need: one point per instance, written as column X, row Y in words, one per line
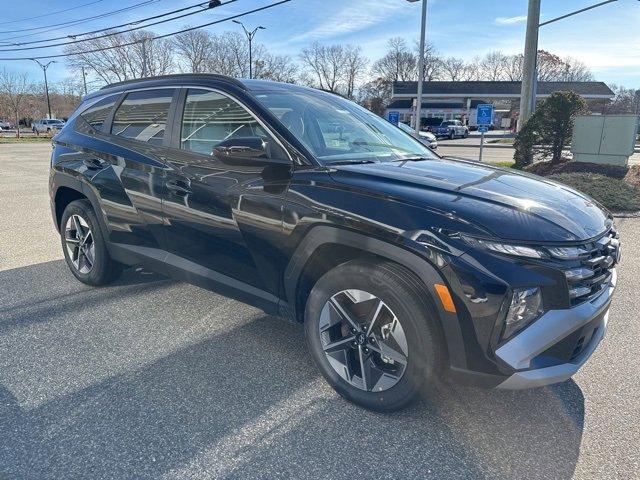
column 606, row 139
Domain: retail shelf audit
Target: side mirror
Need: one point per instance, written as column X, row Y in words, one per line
column 246, row 150
column 243, row 147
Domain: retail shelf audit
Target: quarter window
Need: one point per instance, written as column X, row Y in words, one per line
column 142, row 115
column 97, row 113
column 210, row 117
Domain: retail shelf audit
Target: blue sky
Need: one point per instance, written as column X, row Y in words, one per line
column 607, row 39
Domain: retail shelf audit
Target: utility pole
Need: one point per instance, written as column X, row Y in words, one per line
column 250, row 35
column 84, row 80
column 46, row 84
column 423, row 32
column 529, row 70
column 527, row 94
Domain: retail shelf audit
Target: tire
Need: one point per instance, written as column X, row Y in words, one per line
column 406, row 313
column 91, row 263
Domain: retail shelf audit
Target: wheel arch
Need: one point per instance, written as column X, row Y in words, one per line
column 325, row 247
column 66, row 190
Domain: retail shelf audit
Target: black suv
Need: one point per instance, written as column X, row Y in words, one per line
column 402, row 265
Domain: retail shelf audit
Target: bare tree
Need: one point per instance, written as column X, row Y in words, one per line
column 576, row 71
column 453, row 69
column 355, row 67
column 375, row 95
column 326, row 64
column 14, row 87
column 398, row 64
column 472, row 70
column 432, row 66
column 279, row 68
column 513, row 68
column 494, row 64
column 116, row 60
column 193, row 49
column 626, row 100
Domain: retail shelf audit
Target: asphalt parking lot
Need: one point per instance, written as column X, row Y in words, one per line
column 151, row 378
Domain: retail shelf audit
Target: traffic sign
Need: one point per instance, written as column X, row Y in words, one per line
column 484, row 114
column 394, row 117
column 483, row 129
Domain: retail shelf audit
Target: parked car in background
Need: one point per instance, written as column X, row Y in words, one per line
column 5, row 125
column 403, row 266
column 427, row 138
column 451, row 129
column 429, row 123
column 47, row 125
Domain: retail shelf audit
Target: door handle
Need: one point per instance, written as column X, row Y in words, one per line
column 94, row 163
column 178, row 187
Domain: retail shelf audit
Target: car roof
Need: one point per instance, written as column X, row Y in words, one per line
column 197, row 78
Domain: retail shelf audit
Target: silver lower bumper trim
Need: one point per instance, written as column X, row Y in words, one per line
column 557, row 373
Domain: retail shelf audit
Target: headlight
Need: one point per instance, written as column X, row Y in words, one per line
column 505, row 248
column 525, row 307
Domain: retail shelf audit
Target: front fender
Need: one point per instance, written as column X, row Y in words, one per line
column 422, row 268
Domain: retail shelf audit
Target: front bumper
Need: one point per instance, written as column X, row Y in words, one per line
column 550, row 329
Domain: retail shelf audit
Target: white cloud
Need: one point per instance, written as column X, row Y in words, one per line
column 510, row 20
column 352, row 17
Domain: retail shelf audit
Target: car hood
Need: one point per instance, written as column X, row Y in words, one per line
column 501, row 202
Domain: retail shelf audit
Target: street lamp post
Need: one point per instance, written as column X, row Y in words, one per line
column 46, row 84
column 250, row 35
column 423, row 31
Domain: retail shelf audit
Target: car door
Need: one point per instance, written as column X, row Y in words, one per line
column 224, row 193
column 124, row 166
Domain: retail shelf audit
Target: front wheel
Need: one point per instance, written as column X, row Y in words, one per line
column 370, row 329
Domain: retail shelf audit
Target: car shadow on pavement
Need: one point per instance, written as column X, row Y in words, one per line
column 111, row 385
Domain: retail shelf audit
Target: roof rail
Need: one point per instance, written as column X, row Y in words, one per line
column 211, row 76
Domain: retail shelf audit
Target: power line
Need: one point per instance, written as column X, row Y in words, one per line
column 50, row 13
column 157, row 37
column 47, row 28
column 73, row 36
column 112, row 28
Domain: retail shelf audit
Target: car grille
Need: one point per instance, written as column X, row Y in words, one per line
column 595, row 263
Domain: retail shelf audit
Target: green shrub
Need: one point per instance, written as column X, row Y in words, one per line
column 549, row 129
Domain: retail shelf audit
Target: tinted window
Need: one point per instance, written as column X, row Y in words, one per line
column 143, row 115
column 210, row 118
column 97, row 113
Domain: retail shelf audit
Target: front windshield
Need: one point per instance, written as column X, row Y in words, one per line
column 336, row 130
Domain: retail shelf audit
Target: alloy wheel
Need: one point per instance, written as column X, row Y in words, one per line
column 363, row 340
column 78, row 239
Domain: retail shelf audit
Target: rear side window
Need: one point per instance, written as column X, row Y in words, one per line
column 210, row 118
column 142, row 115
column 97, row 113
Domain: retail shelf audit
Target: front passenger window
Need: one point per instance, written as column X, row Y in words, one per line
column 210, row 118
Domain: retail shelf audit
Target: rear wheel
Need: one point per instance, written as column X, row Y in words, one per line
column 372, row 335
column 84, row 248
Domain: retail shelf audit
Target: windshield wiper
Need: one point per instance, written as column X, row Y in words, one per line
column 349, row 162
column 417, row 158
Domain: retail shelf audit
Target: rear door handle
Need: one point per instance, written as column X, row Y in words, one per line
column 94, row 163
column 178, row 187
